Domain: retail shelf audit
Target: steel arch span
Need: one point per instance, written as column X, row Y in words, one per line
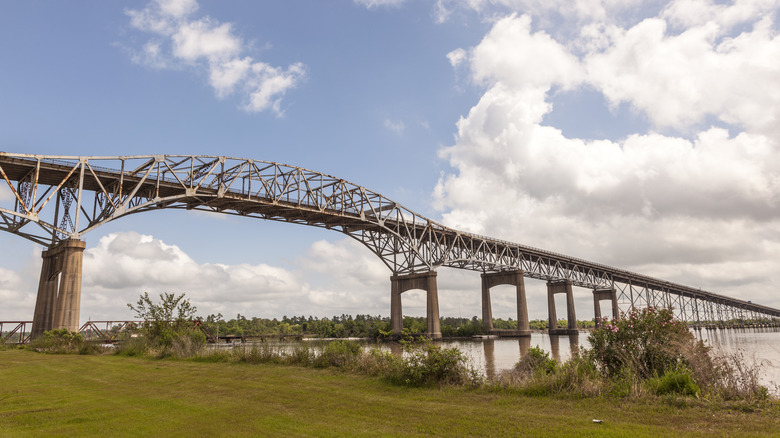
column 57, row 199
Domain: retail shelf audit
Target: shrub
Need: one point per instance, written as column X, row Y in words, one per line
column 378, row 362
column 648, row 342
column 737, row 378
column 133, row 346
column 429, row 365
column 537, row 374
column 676, row 381
column 338, row 354
column 262, row 353
column 63, row 341
column 300, row 355
column 536, row 361
column 186, row 343
column 166, row 330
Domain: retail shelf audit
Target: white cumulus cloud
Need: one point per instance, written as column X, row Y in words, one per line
column 701, row 207
column 178, row 38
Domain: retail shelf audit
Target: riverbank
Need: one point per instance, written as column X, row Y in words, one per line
column 76, row 395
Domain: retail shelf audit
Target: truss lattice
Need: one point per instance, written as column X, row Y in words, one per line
column 60, row 197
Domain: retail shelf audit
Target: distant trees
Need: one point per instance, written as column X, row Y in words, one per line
column 359, row 326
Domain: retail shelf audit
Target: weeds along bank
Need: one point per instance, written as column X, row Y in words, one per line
column 645, row 354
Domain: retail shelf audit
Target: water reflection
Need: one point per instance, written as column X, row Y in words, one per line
column 489, row 349
column 752, row 346
column 555, row 346
column 757, row 346
column 525, row 345
column 396, row 348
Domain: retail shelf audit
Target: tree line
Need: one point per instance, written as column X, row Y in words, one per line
column 359, row 326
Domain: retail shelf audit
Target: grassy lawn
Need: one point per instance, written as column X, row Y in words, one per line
column 70, row 395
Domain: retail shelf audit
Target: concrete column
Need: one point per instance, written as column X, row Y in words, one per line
column 605, row 294
column 425, row 281
column 512, row 278
column 565, row 287
column 434, row 323
column 487, row 310
column 396, row 311
column 522, row 306
column 43, row 318
column 552, row 315
column 59, row 289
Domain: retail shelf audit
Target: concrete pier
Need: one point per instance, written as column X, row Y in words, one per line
column 601, row 295
column 59, row 289
column 425, row 281
column 511, row 278
column 561, row 287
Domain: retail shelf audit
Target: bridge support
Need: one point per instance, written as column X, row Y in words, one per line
column 511, row 278
column 601, row 295
column 402, row 283
column 59, row 289
column 561, row 287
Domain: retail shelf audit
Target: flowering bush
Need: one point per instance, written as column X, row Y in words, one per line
column 647, row 342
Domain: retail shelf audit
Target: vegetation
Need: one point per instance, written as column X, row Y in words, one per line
column 63, row 341
column 167, row 329
column 646, row 352
column 360, row 326
column 107, row 395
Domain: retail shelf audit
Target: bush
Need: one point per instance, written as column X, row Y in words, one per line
column 736, row 378
column 338, row 354
column 536, row 361
column 300, row 355
column 187, row 343
column 63, row 341
column 166, row 329
column 648, row 342
column 257, row 354
column 677, row 381
column 133, row 346
column 537, row 374
column 429, row 365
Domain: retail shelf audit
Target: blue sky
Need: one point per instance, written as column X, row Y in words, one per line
column 638, row 134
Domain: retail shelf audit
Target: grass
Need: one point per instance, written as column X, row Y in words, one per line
column 73, row 395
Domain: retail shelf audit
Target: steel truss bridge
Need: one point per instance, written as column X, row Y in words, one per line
column 56, row 199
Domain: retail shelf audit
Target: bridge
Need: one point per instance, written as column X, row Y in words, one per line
column 56, row 200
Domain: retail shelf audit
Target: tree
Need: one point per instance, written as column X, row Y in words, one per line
column 171, row 308
column 165, row 321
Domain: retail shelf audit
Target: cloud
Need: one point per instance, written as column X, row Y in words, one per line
column 371, row 4
column 680, row 80
column 456, row 57
column 17, row 295
column 329, row 278
column 701, row 207
column 180, row 40
column 124, row 265
column 396, row 126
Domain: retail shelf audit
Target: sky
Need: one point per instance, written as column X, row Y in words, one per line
column 638, row 134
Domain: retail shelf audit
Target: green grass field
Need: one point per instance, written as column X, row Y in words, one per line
column 71, row 395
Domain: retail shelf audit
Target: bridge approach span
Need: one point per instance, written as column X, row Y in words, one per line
column 60, row 198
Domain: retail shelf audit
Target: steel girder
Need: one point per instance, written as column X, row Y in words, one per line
column 60, row 197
